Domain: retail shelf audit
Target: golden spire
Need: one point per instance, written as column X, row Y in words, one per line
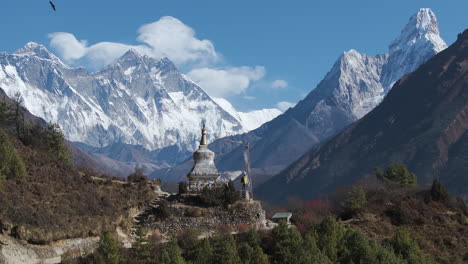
column 203, row 137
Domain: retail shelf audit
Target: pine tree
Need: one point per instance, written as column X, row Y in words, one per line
column 246, row 253
column 189, row 243
column 18, row 114
column 203, row 253
column 259, row 257
column 397, row 173
column 171, row 254
column 108, row 250
column 11, row 164
column 224, row 250
column 316, row 256
column 6, row 116
column 438, row 192
column 407, row 248
column 330, row 237
column 143, row 248
column 56, row 143
column 253, row 238
column 288, row 246
column 355, row 201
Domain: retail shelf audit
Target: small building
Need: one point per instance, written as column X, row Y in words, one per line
column 278, row 217
column 204, row 172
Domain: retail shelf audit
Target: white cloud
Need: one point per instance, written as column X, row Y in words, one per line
column 167, row 37
column 279, row 84
column 283, row 105
column 171, row 38
column 226, row 82
column 68, row 47
column 249, row 97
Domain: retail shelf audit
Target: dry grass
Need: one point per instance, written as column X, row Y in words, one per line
column 55, row 201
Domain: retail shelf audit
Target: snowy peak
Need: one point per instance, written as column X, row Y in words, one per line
column 32, row 48
column 422, row 27
column 132, row 58
column 425, row 21
column 249, row 120
column 130, row 55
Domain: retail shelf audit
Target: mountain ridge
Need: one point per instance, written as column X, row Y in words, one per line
column 422, row 122
column 355, row 84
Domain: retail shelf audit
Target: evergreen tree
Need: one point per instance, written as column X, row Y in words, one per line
column 18, row 114
column 203, row 253
column 330, row 237
column 11, row 164
column 253, row 238
column 360, row 249
column 259, row 257
column 246, row 253
column 188, row 242
column 356, row 201
column 438, row 192
column 397, row 173
column 6, row 116
column 224, row 250
column 171, row 253
column 108, row 250
column 316, row 256
column 143, row 248
column 288, row 247
column 407, row 248
column 56, row 143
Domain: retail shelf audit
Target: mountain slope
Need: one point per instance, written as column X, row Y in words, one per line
column 423, row 122
column 137, row 100
column 354, row 86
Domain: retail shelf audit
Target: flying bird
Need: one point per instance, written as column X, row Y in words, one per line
column 52, row 5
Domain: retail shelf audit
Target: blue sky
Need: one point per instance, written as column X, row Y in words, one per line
column 273, row 50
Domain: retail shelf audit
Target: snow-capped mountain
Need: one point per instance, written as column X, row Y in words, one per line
column 354, row 86
column 249, row 120
column 357, row 83
column 136, row 100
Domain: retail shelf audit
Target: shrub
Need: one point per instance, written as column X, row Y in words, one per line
column 67, row 258
column 224, row 195
column 137, row 176
column 195, row 212
column 163, row 210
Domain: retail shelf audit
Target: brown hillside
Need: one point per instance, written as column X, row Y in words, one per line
column 55, row 201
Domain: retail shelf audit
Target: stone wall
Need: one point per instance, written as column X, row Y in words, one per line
column 209, row 219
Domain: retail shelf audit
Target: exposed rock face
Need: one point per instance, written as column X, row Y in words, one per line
column 13, row 252
column 423, row 122
column 355, row 85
